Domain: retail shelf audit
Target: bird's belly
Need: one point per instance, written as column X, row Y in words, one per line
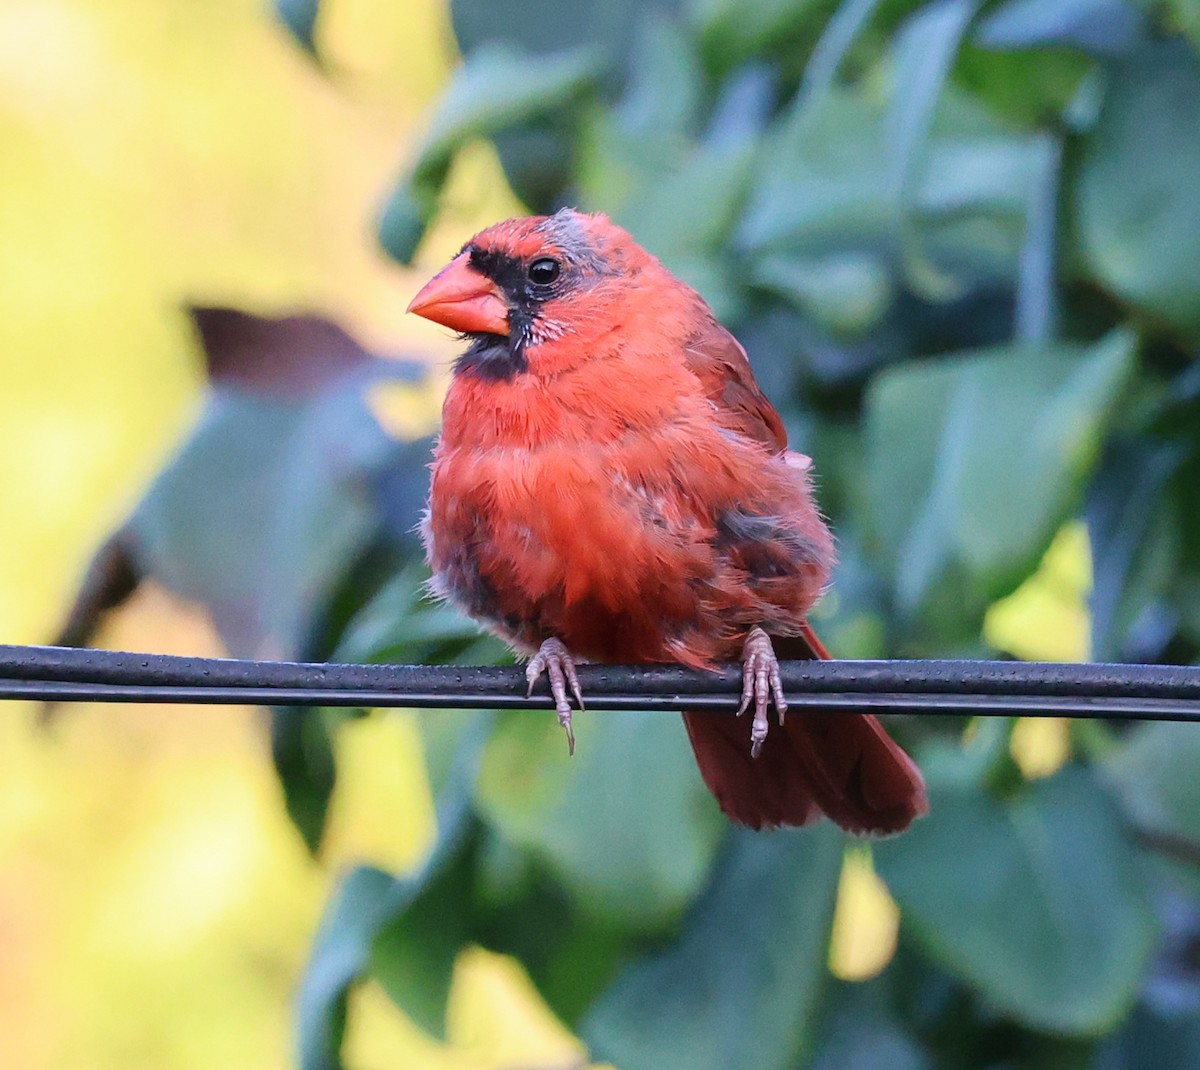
column 651, row 550
column 542, row 546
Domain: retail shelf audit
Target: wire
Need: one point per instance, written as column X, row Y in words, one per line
column 938, row 704
column 951, row 688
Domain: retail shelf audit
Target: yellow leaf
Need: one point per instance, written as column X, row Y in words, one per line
column 1046, row 618
column 865, row 921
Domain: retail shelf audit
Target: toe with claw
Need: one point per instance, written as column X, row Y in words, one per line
column 555, row 660
column 760, row 684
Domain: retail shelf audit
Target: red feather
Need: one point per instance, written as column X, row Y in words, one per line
column 610, row 475
column 843, row 765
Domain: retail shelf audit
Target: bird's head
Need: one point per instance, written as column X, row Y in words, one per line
column 525, row 283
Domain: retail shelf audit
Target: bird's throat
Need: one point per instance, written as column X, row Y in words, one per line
column 493, row 357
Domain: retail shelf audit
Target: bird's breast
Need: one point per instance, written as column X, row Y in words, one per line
column 571, row 541
column 617, row 516
column 597, row 401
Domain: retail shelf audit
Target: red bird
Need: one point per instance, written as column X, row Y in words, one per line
column 611, row 485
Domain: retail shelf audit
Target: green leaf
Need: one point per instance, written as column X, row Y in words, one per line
column 924, row 54
column 520, row 910
column 412, row 957
column 549, row 26
column 625, row 149
column 1156, row 1037
column 870, row 1047
column 353, row 916
column 1187, row 16
column 714, row 182
column 302, row 751
column 1156, row 775
column 977, row 173
column 1136, row 211
column 973, row 462
column 1102, row 27
column 739, row 986
column 848, row 294
column 923, row 58
column 844, row 25
column 539, row 155
column 664, row 92
column 625, row 825
column 1037, row 311
column 400, row 625
column 820, row 189
column 410, row 209
column 734, row 30
column 371, row 906
column 262, row 511
column 1185, row 594
column 860, row 1033
column 262, row 514
column 1039, row 903
column 850, row 618
column 284, row 486
column 111, row 578
column 820, row 186
column 300, row 17
column 1033, row 88
column 1134, row 542
column 496, row 89
column 643, row 159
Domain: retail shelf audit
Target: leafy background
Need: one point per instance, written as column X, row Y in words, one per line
column 957, row 239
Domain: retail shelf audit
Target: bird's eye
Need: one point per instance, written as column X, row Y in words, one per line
column 544, row 271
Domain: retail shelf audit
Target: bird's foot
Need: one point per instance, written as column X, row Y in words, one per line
column 760, row 683
column 555, row 660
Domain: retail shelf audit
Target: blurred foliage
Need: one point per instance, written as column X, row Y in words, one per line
column 957, row 239
column 155, row 902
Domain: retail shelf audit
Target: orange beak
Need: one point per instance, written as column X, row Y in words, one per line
column 460, row 298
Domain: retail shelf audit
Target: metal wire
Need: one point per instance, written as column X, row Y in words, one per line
column 939, row 704
column 951, row 688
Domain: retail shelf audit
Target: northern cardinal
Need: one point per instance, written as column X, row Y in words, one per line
column 611, row 485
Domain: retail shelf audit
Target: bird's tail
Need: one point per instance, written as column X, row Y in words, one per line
column 841, row 764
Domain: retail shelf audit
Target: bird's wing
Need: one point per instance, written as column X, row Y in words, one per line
column 718, row 360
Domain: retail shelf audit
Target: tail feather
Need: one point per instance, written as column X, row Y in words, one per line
column 843, row 765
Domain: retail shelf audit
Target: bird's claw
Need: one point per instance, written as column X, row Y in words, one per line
column 760, row 683
column 555, row 660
